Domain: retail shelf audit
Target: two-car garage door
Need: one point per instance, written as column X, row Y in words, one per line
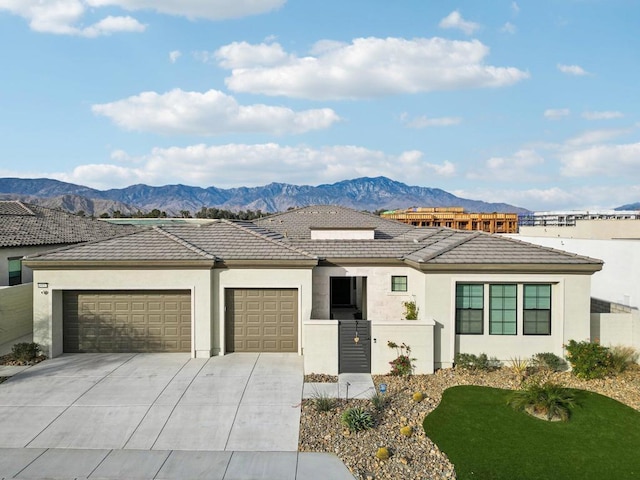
column 256, row 320
column 127, row 321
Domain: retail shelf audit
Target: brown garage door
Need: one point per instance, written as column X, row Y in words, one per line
column 127, row 321
column 261, row 320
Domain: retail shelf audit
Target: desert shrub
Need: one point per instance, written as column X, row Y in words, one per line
column 469, row 361
column 548, row 399
column 407, row 431
column 548, row 361
column 383, row 453
column 379, row 401
column 25, row 352
column 357, row 419
column 323, row 402
column 622, row 357
column 410, row 310
column 589, row 359
column 417, row 397
column 403, row 364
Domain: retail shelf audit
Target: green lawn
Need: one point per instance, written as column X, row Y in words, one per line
column 486, row 439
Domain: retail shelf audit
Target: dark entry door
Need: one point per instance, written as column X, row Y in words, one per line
column 341, row 291
column 354, row 357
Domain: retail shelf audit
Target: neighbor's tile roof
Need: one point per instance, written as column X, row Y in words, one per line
column 297, row 224
column 30, row 225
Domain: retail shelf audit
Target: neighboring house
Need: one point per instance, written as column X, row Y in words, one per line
column 26, row 229
column 323, row 281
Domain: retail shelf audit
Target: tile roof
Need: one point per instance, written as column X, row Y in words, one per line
column 141, row 245
column 30, row 225
column 289, row 240
column 297, row 224
column 220, row 240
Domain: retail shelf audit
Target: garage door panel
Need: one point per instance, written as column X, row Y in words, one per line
column 255, row 319
column 145, row 321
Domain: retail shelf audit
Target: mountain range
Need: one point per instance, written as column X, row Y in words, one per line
column 360, row 193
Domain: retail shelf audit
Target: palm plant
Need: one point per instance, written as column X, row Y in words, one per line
column 549, row 400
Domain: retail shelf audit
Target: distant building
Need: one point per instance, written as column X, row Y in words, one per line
column 599, row 224
column 568, row 218
column 455, row 217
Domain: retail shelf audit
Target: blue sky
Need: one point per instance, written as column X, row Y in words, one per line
column 533, row 103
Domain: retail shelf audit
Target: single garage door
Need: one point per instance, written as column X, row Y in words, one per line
column 261, row 320
column 127, row 321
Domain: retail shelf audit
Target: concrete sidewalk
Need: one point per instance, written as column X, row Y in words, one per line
column 238, row 411
column 349, row 385
column 36, row 463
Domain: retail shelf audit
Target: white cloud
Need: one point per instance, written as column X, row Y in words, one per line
column 425, row 122
column 509, row 28
column 557, row 113
column 518, row 167
column 209, row 9
column 455, row 20
column 515, row 8
column 609, row 115
column 245, row 55
column 64, row 17
column 209, row 113
column 602, row 160
column 365, row 68
column 110, row 25
column 174, row 55
column 593, row 136
column 235, row 165
column 532, row 199
column 572, row 70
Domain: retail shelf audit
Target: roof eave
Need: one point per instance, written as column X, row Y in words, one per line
column 116, row 264
column 275, row 263
column 567, row 268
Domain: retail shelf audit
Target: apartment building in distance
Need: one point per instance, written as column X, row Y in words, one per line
column 455, row 217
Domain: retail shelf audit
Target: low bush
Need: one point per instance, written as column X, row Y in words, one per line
column 25, row 352
column 550, row 400
column 379, row 401
column 548, row 361
column 323, row 402
column 469, row 361
column 403, row 364
column 589, row 360
column 622, row 357
column 357, row 419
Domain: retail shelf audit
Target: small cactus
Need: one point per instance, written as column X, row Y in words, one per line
column 382, row 453
column 417, row 397
column 406, row 431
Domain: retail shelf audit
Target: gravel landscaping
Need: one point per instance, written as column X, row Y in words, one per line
column 416, row 456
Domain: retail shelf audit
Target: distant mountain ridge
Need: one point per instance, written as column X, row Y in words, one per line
column 361, row 193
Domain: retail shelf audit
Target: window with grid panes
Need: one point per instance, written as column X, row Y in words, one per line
column 399, row 283
column 469, row 308
column 15, row 271
column 537, row 309
column 503, row 311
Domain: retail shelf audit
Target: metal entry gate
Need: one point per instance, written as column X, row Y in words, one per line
column 354, row 356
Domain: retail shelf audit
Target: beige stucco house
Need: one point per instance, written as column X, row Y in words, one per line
column 326, row 282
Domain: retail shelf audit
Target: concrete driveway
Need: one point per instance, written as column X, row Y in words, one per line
column 155, row 409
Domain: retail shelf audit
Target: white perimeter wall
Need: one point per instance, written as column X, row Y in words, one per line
column 619, row 279
column 16, row 312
